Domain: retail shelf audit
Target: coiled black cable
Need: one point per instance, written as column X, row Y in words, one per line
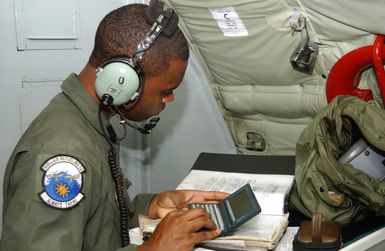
column 117, row 176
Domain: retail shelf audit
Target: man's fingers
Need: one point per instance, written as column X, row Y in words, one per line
column 196, row 218
column 202, row 222
column 205, row 235
column 194, row 196
column 197, row 212
column 188, row 215
column 213, row 195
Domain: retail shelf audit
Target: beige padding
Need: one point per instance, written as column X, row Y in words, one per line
column 251, row 76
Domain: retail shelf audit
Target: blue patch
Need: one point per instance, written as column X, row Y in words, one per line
column 62, row 182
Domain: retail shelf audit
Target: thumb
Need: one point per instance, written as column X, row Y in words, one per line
column 179, row 199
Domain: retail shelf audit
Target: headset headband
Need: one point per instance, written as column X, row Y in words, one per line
column 158, row 26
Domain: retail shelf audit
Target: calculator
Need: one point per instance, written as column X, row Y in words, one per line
column 233, row 211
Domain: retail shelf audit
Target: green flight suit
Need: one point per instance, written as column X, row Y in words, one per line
column 68, row 126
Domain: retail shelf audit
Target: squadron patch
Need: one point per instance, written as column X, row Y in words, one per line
column 62, row 182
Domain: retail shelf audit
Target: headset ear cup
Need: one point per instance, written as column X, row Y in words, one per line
column 120, row 80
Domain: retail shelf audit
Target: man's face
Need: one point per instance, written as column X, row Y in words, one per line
column 158, row 90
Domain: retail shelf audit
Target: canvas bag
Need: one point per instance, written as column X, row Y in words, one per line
column 322, row 184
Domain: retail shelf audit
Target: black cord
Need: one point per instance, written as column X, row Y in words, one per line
column 121, row 196
column 117, row 177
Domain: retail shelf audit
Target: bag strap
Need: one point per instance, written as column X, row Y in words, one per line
column 316, row 227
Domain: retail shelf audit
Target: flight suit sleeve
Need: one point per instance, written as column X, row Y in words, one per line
column 28, row 222
column 127, row 248
column 138, row 206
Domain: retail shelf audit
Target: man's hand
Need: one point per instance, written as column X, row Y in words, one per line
column 178, row 231
column 168, row 201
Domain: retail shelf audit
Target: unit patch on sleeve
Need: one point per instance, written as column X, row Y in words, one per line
column 62, row 182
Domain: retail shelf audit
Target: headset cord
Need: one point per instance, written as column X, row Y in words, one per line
column 117, row 177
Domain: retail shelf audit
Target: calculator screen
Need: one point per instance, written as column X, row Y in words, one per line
column 240, row 204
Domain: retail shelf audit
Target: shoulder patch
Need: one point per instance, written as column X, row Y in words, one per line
column 62, row 182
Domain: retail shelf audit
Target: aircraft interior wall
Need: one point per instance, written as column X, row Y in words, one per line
column 241, row 92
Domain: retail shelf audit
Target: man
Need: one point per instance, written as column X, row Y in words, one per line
column 62, row 186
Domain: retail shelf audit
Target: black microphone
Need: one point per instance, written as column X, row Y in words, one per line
column 146, row 128
column 151, row 124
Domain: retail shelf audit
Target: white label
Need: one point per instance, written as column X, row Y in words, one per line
column 229, row 22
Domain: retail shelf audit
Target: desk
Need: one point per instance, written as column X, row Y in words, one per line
column 262, row 164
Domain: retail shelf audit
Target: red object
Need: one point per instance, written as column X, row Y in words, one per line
column 345, row 75
column 378, row 58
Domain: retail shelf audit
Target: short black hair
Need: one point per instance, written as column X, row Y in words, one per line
column 120, row 32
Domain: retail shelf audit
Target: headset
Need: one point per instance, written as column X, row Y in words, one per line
column 119, row 81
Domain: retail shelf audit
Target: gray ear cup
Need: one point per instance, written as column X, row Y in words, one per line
column 120, row 80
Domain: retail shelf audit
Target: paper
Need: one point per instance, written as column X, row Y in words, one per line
column 229, row 21
column 263, row 231
column 271, row 190
column 286, row 242
column 136, row 236
column 261, row 228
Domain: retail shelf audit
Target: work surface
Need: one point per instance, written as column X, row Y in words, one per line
column 265, row 164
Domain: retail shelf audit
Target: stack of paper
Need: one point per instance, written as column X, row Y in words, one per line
column 263, row 231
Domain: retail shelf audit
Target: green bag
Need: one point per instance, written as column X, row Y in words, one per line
column 322, row 184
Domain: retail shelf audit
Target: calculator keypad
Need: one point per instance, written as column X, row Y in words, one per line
column 213, row 210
